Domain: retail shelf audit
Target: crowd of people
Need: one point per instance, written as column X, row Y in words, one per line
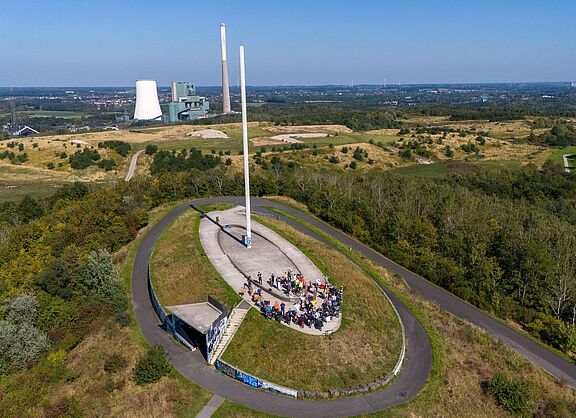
column 318, row 301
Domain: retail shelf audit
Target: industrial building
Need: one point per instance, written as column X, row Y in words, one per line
column 186, row 104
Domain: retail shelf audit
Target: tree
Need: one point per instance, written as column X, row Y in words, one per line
column 20, row 341
column 151, row 149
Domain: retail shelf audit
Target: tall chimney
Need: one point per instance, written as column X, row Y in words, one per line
column 174, row 92
column 225, row 85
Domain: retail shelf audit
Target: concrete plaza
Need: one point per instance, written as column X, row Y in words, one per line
column 270, row 254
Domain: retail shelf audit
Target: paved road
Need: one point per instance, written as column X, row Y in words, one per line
column 192, row 365
column 132, row 167
column 414, row 373
column 566, row 162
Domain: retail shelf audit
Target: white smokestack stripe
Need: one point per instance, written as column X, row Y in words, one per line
column 226, row 108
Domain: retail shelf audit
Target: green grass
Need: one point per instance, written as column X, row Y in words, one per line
column 233, row 410
column 182, row 273
column 441, row 168
column 557, row 153
column 365, row 348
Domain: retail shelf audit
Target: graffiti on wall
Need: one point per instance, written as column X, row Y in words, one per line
column 252, row 381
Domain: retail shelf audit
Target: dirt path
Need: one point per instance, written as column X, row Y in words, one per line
column 132, row 167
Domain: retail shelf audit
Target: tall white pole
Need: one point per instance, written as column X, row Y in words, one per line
column 248, row 238
column 225, row 85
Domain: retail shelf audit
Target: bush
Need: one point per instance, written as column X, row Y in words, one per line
column 121, row 147
column 512, row 395
column 83, row 159
column 151, row 366
column 406, row 154
column 114, row 363
column 50, row 166
column 107, row 165
column 151, row 149
column 20, row 341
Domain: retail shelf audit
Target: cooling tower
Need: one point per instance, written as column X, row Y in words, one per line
column 147, row 105
column 225, row 86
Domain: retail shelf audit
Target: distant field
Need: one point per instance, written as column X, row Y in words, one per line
column 51, row 114
column 454, row 166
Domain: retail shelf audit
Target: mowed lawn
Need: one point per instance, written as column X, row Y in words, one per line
column 365, row 348
column 180, row 269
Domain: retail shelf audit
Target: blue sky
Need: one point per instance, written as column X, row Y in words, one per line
column 113, row 43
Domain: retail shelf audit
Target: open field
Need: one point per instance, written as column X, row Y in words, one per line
column 365, row 348
column 49, row 114
column 464, row 358
column 503, row 141
column 181, row 271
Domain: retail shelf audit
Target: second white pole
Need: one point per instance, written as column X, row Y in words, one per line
column 248, row 237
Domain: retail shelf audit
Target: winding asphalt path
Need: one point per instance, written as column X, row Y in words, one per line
column 406, row 385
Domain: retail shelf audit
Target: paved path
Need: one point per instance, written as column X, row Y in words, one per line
column 566, row 162
column 405, row 386
column 270, row 254
column 213, row 404
column 132, row 168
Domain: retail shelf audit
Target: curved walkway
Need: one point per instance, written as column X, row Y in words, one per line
column 406, row 385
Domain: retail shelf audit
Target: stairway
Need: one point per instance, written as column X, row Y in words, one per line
column 234, row 321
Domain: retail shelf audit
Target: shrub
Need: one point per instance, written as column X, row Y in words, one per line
column 121, row 147
column 20, row 341
column 83, row 159
column 334, row 160
column 114, row 363
column 512, row 395
column 50, row 166
column 107, row 165
column 344, row 150
column 406, row 154
column 151, row 366
column 353, row 165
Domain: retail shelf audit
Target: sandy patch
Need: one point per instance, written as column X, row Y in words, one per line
column 293, row 138
column 308, row 129
column 207, row 134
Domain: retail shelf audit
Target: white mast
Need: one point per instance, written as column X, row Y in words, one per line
column 225, row 85
column 248, row 237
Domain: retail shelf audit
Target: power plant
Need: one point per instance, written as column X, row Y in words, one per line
column 225, row 84
column 147, row 104
column 185, row 104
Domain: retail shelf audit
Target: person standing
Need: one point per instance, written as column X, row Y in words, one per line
column 282, row 308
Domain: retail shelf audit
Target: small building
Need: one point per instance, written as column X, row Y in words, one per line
column 201, row 325
column 19, row 130
column 185, row 104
